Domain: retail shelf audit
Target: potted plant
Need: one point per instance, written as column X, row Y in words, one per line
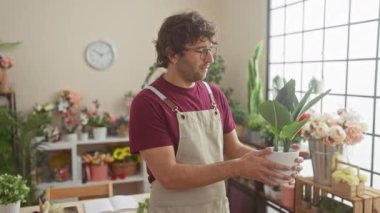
column 96, row 165
column 255, row 96
column 283, row 115
column 13, row 191
column 124, row 162
column 99, row 120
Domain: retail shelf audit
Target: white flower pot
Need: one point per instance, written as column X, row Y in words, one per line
column 100, row 133
column 10, row 208
column 71, row 137
column 287, row 158
column 83, row 136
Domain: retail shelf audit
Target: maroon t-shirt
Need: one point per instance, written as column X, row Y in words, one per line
column 153, row 124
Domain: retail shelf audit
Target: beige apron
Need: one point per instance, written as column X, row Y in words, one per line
column 200, row 142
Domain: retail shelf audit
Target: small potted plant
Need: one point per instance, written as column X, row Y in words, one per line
column 99, row 120
column 284, row 117
column 13, row 191
column 96, row 165
column 124, row 162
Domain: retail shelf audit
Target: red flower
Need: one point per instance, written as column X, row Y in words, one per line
column 304, row 116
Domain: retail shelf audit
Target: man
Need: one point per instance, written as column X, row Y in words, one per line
column 183, row 127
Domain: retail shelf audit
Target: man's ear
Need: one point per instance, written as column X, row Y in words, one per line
column 173, row 57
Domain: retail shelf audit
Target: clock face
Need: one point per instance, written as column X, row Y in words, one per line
column 100, row 55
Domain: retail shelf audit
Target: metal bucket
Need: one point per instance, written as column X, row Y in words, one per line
column 322, row 159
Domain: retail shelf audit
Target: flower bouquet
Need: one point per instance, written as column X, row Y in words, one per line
column 344, row 127
column 67, row 105
column 125, row 163
column 327, row 135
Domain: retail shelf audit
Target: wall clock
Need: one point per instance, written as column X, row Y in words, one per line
column 100, row 55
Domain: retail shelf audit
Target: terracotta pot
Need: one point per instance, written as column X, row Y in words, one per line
column 99, row 172
column 127, row 168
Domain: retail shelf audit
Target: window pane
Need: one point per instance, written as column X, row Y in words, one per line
column 368, row 175
column 377, row 120
column 361, row 75
column 277, row 3
column 275, row 70
column 330, row 103
column 376, row 181
column 293, row 71
column 336, row 12
column 310, row 70
column 360, row 153
column 362, row 45
column 364, row 107
column 378, row 81
column 314, row 12
column 292, row 1
column 362, row 10
column 334, row 76
column 313, row 46
column 294, row 18
column 277, row 21
column 336, row 43
column 276, row 49
column 293, row 47
column 376, row 166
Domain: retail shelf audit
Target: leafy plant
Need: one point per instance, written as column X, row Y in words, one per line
column 13, row 188
column 152, row 70
column 255, row 90
column 17, row 138
column 238, row 113
column 4, row 46
column 284, row 112
column 216, row 70
column 144, row 205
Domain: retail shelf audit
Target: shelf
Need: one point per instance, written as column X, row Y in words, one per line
column 49, row 146
column 57, row 184
column 130, row 179
column 107, row 140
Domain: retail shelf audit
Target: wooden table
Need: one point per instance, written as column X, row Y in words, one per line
column 79, row 205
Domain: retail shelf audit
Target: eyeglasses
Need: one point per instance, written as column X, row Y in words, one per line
column 203, row 51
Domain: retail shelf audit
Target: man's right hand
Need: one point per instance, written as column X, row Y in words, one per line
column 254, row 165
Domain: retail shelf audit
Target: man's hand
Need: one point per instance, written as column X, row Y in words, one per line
column 255, row 166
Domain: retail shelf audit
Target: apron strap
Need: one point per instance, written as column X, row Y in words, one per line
column 213, row 103
column 166, row 100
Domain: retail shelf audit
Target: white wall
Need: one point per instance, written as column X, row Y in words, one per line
column 243, row 25
column 54, row 35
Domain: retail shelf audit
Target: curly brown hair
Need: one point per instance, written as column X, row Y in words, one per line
column 179, row 30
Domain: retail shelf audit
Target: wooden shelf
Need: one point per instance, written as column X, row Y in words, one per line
column 367, row 203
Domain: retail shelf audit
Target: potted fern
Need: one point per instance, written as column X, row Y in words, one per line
column 284, row 117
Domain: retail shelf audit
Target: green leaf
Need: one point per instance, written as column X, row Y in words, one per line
column 300, row 105
column 314, row 101
column 275, row 114
column 286, row 95
column 289, row 131
column 8, row 45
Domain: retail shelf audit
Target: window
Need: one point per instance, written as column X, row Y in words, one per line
column 337, row 41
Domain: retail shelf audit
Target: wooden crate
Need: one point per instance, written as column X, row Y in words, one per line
column 368, row 202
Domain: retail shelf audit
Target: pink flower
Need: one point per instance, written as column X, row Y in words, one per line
column 354, row 134
column 6, row 62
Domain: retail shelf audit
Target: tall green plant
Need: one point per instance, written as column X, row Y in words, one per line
column 152, row 70
column 23, row 129
column 255, row 88
column 284, row 112
column 216, row 70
